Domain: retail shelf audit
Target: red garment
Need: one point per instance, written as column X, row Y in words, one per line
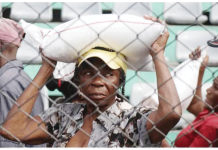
column 203, row 132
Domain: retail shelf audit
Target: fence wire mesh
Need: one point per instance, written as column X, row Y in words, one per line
column 101, row 107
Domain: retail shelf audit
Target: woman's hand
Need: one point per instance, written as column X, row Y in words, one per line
column 159, row 45
column 47, row 61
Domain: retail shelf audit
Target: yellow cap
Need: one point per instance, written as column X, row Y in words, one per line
column 112, row 59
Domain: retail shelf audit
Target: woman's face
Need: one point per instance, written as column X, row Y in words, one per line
column 212, row 94
column 100, row 87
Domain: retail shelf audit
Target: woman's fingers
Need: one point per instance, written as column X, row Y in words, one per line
column 195, row 54
column 190, row 56
column 153, row 18
column 198, row 52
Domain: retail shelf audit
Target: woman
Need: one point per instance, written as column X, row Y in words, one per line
column 105, row 120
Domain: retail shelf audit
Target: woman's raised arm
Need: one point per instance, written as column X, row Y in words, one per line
column 169, row 110
column 18, row 125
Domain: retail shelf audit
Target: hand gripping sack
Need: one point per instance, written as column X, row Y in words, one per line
column 131, row 35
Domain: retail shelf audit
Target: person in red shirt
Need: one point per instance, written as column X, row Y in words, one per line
column 203, row 131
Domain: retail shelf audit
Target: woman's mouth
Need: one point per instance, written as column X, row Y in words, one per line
column 97, row 96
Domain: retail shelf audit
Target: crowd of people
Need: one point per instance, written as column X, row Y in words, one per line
column 97, row 115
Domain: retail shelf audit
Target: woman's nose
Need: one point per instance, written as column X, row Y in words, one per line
column 98, row 81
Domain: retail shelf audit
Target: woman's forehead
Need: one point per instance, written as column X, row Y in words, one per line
column 93, row 63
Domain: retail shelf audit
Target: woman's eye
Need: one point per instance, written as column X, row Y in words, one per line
column 109, row 74
column 86, row 73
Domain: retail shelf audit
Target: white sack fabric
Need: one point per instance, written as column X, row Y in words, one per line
column 185, row 77
column 64, row 71
column 34, row 33
column 131, row 35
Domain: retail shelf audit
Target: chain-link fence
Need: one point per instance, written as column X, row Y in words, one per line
column 114, row 88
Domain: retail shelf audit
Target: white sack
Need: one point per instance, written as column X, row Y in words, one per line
column 80, row 35
column 35, row 34
column 64, row 71
column 185, row 81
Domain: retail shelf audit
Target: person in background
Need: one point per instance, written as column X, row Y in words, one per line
column 13, row 79
column 66, row 88
column 203, row 131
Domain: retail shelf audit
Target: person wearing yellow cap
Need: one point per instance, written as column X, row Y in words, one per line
column 103, row 118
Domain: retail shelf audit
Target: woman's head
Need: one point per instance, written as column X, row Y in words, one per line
column 99, row 78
